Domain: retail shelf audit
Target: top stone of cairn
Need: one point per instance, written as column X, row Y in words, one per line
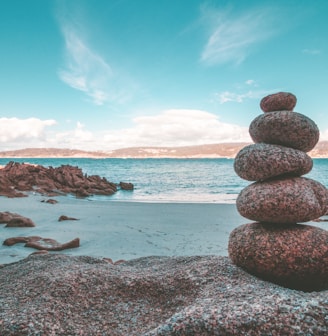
column 281, row 101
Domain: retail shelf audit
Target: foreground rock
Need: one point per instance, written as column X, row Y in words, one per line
column 290, row 129
column 284, row 200
column 61, row 295
column 263, row 161
column 294, row 256
column 18, row 178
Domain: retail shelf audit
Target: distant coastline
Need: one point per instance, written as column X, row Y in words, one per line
column 222, row 150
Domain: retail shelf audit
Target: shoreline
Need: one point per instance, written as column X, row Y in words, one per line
column 124, row 229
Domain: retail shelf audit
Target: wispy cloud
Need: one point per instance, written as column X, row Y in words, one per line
column 232, row 36
column 311, row 51
column 87, row 71
column 250, row 89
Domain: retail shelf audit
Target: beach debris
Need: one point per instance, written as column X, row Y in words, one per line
column 276, row 247
column 15, row 220
column 64, row 218
column 50, row 201
column 43, row 244
column 110, row 261
column 18, row 178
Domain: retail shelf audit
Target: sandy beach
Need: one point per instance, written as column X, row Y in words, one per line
column 123, row 230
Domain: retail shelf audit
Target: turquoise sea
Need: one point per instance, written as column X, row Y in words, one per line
column 169, row 180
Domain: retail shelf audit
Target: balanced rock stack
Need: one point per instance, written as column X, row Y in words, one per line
column 275, row 247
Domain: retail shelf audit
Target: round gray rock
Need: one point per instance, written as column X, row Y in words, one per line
column 290, row 129
column 285, row 200
column 262, row 161
column 278, row 102
column 294, row 256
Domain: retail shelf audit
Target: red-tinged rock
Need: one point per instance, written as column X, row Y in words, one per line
column 50, row 201
column 18, row 177
column 64, row 218
column 261, row 161
column 38, row 252
column 285, row 200
column 49, row 244
column 16, row 240
column 293, row 130
column 126, row 186
column 20, row 222
column 295, row 256
column 278, row 102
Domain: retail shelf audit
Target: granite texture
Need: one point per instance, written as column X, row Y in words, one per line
column 52, row 295
column 294, row 256
column 284, row 200
column 262, row 161
column 290, row 129
column 278, row 102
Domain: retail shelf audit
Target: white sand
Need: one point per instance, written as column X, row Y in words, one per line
column 124, row 230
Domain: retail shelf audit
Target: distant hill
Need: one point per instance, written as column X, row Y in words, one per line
column 223, row 150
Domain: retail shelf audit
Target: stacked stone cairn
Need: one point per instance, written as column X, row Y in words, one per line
column 276, row 247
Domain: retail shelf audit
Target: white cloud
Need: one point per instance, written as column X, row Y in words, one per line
column 231, row 37
column 324, row 135
column 15, row 130
column 76, row 138
column 177, row 128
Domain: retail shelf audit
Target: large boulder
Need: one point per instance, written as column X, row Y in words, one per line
column 278, row 102
column 56, row 294
column 262, row 161
column 285, row 200
column 290, row 129
column 294, row 256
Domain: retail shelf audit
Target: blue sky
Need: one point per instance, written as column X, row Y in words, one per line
column 106, row 74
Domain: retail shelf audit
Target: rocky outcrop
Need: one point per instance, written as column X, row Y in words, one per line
column 18, row 178
column 44, row 244
column 61, row 295
column 15, row 220
column 295, row 256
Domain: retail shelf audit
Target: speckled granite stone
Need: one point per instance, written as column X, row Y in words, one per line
column 285, row 200
column 290, row 129
column 278, row 102
column 262, row 161
column 294, row 257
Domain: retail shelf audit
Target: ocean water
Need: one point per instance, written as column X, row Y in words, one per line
column 169, row 180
